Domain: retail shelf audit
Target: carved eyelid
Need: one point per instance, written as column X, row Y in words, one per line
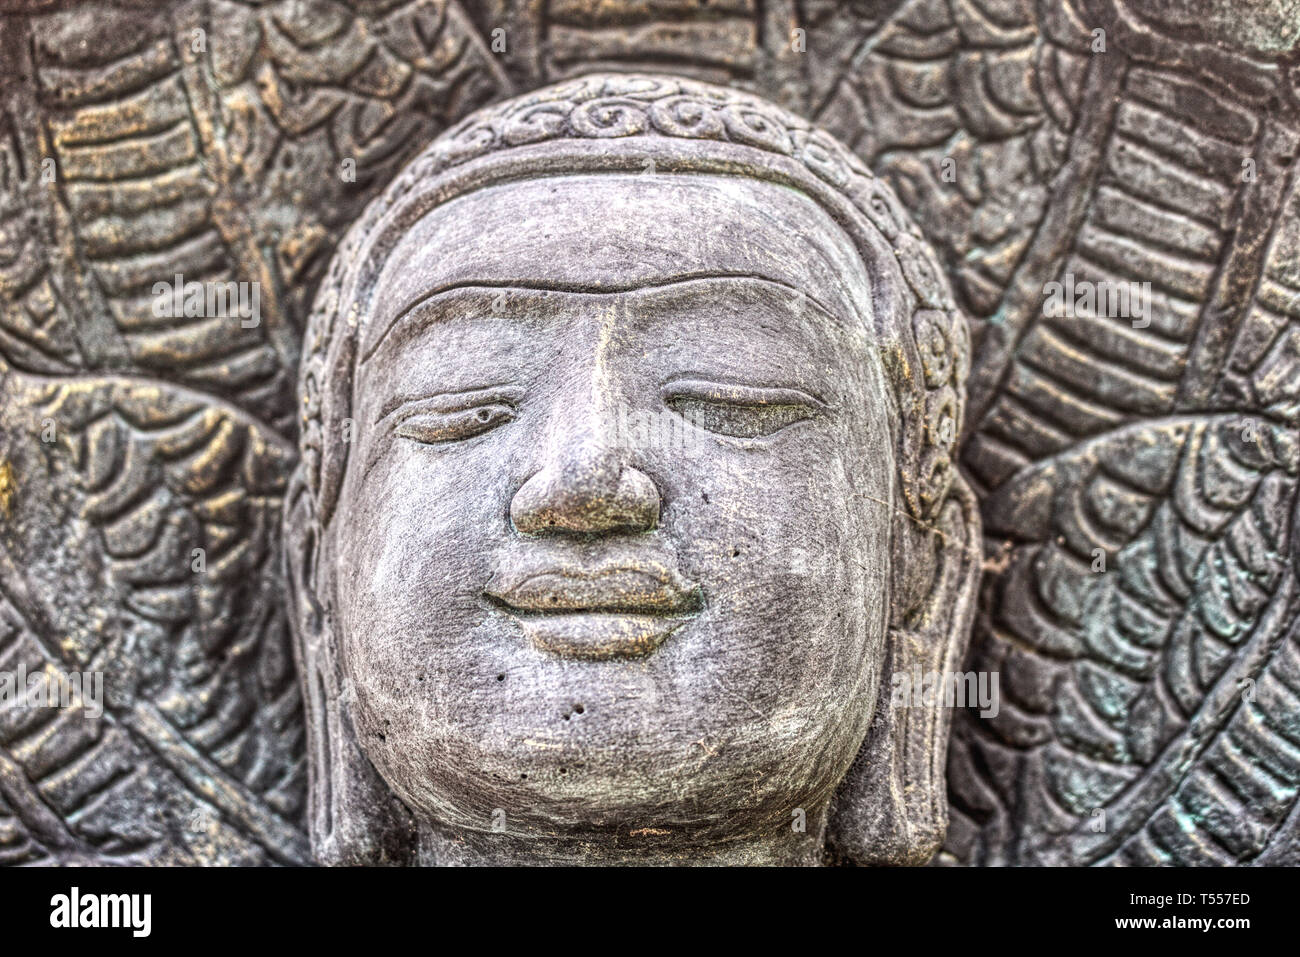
column 705, row 390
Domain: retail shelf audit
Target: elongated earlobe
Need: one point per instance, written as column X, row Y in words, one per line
column 892, row 806
column 353, row 818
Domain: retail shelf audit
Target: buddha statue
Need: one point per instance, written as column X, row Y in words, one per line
column 627, row 485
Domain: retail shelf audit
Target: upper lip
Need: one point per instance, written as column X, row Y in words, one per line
column 608, row 579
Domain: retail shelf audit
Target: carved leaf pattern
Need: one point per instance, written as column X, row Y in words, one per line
column 1142, row 625
column 157, row 511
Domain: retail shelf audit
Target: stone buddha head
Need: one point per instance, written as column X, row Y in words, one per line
column 628, row 429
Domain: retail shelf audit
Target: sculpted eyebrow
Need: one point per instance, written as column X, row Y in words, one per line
column 431, row 296
column 577, row 288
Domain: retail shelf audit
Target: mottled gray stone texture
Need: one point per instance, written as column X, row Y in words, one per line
column 652, row 484
column 458, row 431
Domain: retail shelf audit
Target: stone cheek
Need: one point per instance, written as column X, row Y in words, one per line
column 569, row 636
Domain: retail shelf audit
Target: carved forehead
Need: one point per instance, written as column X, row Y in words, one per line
column 618, row 124
column 610, row 232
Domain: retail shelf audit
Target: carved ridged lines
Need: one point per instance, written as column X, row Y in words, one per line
column 16, row 847
column 1233, row 799
column 198, row 478
column 215, row 696
column 1166, row 164
column 35, row 330
column 37, row 333
column 1196, row 528
column 72, row 763
column 135, row 185
column 1216, row 589
column 582, row 37
column 1005, row 100
column 1263, row 367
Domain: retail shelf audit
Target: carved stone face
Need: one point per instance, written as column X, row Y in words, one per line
column 613, row 541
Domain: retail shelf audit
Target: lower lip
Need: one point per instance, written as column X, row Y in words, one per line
column 598, row 636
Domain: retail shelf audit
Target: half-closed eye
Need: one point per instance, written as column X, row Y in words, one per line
column 740, row 410
column 453, row 417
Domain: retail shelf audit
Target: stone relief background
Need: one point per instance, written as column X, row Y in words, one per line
column 1033, row 141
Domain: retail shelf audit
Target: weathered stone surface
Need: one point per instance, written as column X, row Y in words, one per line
column 1148, row 712
column 626, row 484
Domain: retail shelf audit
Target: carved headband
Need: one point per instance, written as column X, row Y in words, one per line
column 622, row 122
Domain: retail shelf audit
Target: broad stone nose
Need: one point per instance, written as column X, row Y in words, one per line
column 585, row 487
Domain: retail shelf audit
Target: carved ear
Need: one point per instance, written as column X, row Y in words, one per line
column 892, row 806
column 352, row 816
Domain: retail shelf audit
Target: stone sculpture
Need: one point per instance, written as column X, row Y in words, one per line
column 175, row 178
column 559, row 638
